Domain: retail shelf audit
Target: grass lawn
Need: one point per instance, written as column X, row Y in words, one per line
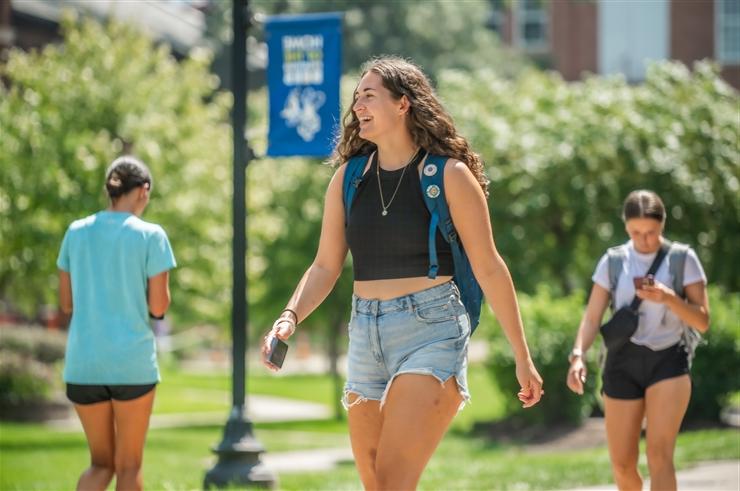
column 464, row 463
column 182, row 392
column 35, row 457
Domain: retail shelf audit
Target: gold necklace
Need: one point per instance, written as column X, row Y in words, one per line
column 380, row 188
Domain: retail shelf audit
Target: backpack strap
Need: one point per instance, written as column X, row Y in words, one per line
column 352, row 178
column 616, row 257
column 677, row 265
column 691, row 339
column 433, row 191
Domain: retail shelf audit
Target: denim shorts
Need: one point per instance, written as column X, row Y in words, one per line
column 426, row 333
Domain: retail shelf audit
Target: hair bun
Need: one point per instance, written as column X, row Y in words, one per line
column 125, row 174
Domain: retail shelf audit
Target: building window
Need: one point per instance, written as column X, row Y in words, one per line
column 727, row 28
column 497, row 18
column 531, row 21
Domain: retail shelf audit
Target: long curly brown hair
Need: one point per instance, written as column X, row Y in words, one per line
column 430, row 125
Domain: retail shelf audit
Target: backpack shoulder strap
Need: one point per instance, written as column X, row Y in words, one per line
column 677, row 264
column 616, row 257
column 352, row 178
column 690, row 338
column 432, row 189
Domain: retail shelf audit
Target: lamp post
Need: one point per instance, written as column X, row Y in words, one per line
column 239, row 450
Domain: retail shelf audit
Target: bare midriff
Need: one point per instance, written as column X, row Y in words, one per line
column 397, row 287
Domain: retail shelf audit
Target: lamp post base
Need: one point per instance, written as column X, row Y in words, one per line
column 238, row 457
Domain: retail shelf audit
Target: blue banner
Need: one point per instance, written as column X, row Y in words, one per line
column 303, row 71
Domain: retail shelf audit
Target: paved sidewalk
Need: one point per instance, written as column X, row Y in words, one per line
column 260, row 409
column 707, row 476
column 324, row 459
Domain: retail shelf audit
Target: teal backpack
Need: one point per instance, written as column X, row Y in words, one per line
column 432, row 188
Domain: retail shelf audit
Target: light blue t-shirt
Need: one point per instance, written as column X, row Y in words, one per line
column 110, row 256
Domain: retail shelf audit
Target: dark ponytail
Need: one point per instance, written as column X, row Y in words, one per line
column 643, row 204
column 125, row 174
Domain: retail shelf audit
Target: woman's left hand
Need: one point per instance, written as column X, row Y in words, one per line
column 530, row 382
column 658, row 293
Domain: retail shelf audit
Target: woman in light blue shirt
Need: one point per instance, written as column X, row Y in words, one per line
column 113, row 277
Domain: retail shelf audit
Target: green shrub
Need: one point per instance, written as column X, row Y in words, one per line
column 551, row 324
column 132, row 96
column 28, row 359
column 717, row 363
column 562, row 156
column 43, row 345
column 23, row 380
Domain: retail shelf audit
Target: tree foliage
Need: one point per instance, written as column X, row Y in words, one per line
column 563, row 156
column 286, row 201
column 67, row 111
column 437, row 34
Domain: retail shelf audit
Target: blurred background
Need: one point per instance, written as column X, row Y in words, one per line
column 570, row 103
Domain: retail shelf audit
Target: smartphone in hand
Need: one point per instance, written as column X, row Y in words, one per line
column 643, row 281
column 278, row 349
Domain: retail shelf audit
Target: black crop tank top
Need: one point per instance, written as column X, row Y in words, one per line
column 394, row 245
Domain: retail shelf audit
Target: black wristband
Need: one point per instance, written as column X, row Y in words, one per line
column 158, row 318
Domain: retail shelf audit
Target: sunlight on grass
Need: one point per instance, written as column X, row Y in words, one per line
column 35, row 457
column 183, row 392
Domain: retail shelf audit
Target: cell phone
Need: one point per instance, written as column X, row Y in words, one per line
column 278, row 349
column 642, row 281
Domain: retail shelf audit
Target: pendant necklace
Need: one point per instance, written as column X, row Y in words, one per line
column 380, row 187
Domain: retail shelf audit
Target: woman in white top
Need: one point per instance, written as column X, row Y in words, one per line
column 649, row 375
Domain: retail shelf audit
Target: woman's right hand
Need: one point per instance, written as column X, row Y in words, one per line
column 282, row 328
column 577, row 375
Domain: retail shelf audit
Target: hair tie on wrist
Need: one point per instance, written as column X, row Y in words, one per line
column 295, row 316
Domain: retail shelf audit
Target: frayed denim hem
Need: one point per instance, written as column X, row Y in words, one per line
column 418, row 371
column 428, row 371
column 360, row 398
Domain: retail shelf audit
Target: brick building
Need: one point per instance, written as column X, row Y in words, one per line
column 617, row 36
column 28, row 24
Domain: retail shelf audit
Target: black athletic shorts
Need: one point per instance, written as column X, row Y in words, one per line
column 629, row 371
column 91, row 394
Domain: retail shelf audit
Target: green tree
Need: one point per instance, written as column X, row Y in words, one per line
column 436, row 34
column 67, row 111
column 563, row 156
column 285, row 211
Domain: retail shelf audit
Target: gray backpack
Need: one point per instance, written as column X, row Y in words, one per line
column 691, row 338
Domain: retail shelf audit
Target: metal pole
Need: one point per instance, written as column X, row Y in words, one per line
column 239, row 240
column 238, row 453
